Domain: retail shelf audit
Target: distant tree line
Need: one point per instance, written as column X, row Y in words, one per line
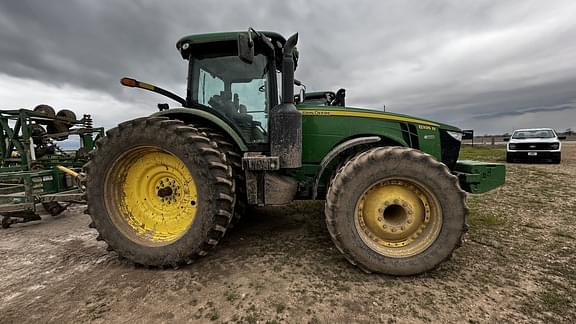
column 567, row 132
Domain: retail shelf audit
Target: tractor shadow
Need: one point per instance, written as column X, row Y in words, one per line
column 275, row 237
column 300, row 223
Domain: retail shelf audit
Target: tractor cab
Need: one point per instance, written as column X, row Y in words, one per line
column 232, row 81
column 234, row 77
column 242, row 90
column 238, row 91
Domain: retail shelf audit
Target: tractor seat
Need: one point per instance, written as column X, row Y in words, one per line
column 339, row 100
column 233, row 110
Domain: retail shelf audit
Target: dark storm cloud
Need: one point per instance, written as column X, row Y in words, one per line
column 84, row 43
column 456, row 61
column 527, row 111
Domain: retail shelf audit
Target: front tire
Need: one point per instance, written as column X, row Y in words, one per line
column 557, row 159
column 396, row 211
column 160, row 192
column 509, row 158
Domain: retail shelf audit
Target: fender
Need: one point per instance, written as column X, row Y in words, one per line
column 172, row 112
column 335, row 152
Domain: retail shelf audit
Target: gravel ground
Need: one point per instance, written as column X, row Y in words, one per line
column 518, row 264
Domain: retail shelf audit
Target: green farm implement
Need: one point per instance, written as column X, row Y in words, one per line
column 34, row 168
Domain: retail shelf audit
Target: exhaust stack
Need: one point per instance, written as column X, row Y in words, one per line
column 285, row 119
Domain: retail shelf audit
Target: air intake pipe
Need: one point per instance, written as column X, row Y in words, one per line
column 285, row 119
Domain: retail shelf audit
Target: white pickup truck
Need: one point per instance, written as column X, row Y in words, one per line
column 534, row 144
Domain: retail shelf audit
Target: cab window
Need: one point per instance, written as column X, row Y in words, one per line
column 235, row 89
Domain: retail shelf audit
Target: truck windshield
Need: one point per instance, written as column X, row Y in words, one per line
column 533, row 134
column 237, row 90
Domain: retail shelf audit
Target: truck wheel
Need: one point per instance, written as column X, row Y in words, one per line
column 396, row 211
column 159, row 191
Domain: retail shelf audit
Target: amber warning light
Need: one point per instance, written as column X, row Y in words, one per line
column 132, row 83
column 128, row 82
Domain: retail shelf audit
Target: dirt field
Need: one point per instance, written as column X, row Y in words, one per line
column 518, row 264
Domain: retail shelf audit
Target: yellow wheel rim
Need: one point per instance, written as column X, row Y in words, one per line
column 398, row 218
column 152, row 194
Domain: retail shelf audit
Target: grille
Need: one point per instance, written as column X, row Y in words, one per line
column 410, row 135
column 450, row 149
column 536, row 146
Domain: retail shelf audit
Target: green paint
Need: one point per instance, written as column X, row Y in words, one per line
column 178, row 113
column 25, row 182
column 324, row 127
column 478, row 177
column 321, row 133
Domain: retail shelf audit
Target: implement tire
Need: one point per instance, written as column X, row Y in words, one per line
column 396, row 211
column 160, row 192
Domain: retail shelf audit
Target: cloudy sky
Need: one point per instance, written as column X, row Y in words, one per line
column 488, row 65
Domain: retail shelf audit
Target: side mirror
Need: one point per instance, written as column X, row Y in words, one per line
column 561, row 138
column 245, row 48
column 302, row 95
column 506, row 139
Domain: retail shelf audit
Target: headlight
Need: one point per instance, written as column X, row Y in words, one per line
column 512, row 146
column 554, row 146
column 455, row 135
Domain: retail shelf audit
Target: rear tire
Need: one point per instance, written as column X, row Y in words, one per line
column 159, row 191
column 233, row 154
column 396, row 211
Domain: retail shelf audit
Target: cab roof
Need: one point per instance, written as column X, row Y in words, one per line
column 199, row 39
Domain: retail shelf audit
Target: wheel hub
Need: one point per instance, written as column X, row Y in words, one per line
column 168, row 190
column 158, row 196
column 397, row 218
column 165, row 192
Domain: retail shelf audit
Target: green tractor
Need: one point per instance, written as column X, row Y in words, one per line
column 163, row 190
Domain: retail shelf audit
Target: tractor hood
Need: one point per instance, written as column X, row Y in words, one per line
column 370, row 113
